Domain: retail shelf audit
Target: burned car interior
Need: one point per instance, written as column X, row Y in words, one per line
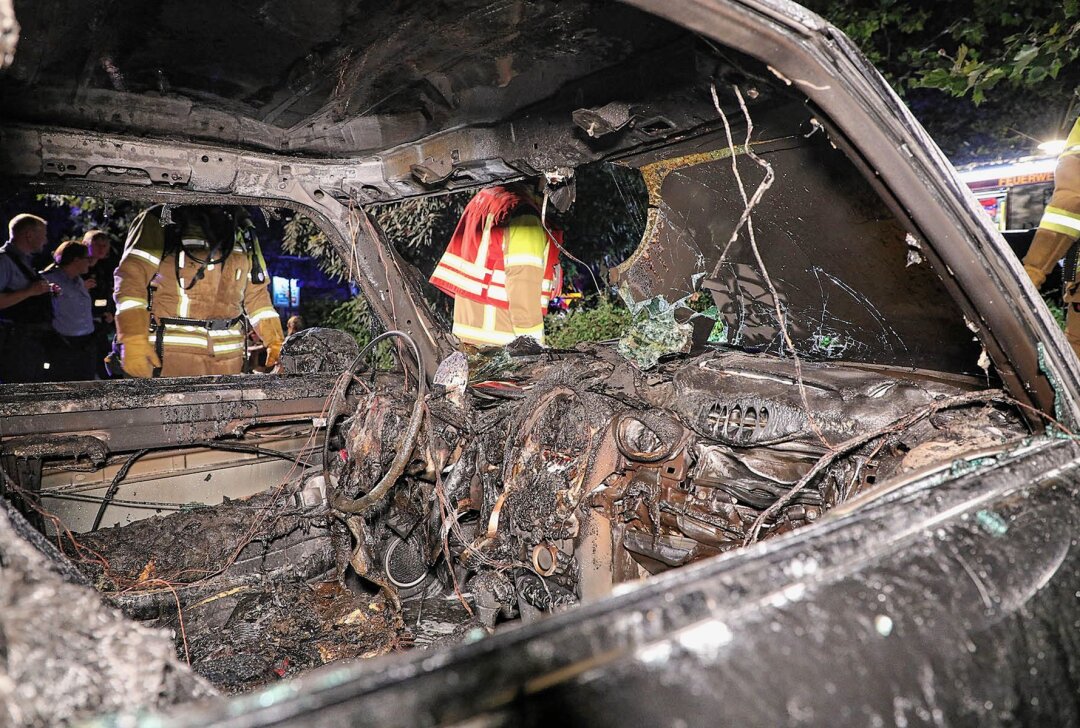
column 253, row 528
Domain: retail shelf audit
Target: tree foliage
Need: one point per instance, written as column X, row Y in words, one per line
column 986, row 77
column 606, row 222
column 303, row 238
column 356, row 318
column 69, row 217
column 608, row 319
column 420, row 228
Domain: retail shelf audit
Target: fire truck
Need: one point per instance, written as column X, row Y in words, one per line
column 1014, row 195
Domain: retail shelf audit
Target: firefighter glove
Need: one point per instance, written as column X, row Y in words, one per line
column 138, row 357
column 273, row 352
column 269, row 330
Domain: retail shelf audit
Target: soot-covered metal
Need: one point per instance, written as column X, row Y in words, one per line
column 546, row 481
column 320, row 77
column 835, row 266
column 598, row 499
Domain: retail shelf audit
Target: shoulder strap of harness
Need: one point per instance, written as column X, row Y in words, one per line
column 251, row 245
column 30, row 273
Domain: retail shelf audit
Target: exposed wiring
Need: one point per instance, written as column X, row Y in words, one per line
column 115, row 485
column 226, row 446
column 83, row 487
column 97, row 558
column 148, row 505
column 619, row 424
column 401, row 458
column 165, row 505
column 835, row 451
column 254, row 450
column 750, row 204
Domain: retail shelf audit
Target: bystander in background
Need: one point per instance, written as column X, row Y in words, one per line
column 71, row 352
column 25, row 310
column 294, row 324
column 103, row 262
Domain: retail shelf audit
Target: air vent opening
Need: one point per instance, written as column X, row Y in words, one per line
column 736, row 421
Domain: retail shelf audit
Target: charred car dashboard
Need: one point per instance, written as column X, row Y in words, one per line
column 842, row 492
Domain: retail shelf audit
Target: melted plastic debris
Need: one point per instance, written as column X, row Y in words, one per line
column 438, row 620
column 249, row 636
column 489, row 364
column 251, row 597
column 318, row 351
column 514, row 481
column 453, row 372
column 242, row 534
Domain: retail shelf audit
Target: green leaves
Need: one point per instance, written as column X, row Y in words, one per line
column 948, row 58
column 303, row 238
column 355, row 317
column 607, row 320
column 920, row 44
column 420, row 228
column 1024, row 57
column 81, row 214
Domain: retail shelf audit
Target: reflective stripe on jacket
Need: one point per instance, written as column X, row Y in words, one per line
column 223, row 290
column 1060, row 225
column 484, row 324
column 474, row 264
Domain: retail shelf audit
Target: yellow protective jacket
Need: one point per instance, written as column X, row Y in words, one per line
column 185, row 283
column 1060, row 224
column 474, row 264
column 527, row 283
column 1058, row 231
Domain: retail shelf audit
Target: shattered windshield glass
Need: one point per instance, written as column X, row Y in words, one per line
column 819, row 253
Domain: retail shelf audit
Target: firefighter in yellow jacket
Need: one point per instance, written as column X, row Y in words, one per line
column 1058, row 231
column 190, row 281
column 501, row 267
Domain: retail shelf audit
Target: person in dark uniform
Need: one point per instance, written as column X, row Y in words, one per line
column 25, row 303
column 103, row 262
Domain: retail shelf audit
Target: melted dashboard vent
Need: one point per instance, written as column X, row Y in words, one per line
column 740, row 422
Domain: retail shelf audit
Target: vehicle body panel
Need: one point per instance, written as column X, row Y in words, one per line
column 871, row 125
column 943, row 602
column 946, row 598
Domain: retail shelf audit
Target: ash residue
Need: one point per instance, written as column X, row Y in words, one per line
column 238, row 595
column 247, row 636
column 211, row 539
column 65, row 656
column 553, row 478
column 439, row 620
column 318, row 351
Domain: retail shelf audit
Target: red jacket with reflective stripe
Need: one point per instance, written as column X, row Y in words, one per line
column 473, row 267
